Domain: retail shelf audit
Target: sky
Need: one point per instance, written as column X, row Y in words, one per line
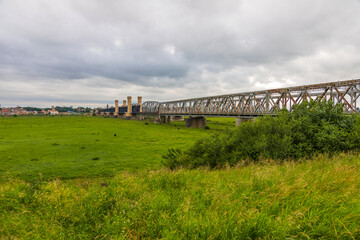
column 91, row 52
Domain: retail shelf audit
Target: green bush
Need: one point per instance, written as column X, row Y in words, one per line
column 311, row 128
column 170, row 159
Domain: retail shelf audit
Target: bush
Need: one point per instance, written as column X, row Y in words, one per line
column 311, row 128
column 171, row 158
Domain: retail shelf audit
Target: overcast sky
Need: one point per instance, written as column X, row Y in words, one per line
column 90, row 52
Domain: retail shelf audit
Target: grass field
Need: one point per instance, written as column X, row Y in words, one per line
column 317, row 199
column 73, row 147
column 71, row 178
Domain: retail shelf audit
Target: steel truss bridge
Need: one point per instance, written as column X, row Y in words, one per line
column 258, row 103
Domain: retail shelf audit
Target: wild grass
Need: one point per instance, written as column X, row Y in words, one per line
column 82, row 147
column 312, row 199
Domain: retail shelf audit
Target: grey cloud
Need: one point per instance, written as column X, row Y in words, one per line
column 195, row 47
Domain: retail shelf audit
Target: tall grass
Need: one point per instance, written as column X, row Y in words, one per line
column 312, row 199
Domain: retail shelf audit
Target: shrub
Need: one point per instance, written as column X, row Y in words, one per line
column 311, row 128
column 171, row 158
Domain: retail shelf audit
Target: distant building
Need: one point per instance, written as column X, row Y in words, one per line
column 19, row 111
column 53, row 111
column 16, row 111
column 5, row 112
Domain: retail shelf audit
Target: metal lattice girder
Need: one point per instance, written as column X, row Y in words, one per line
column 264, row 102
column 151, row 107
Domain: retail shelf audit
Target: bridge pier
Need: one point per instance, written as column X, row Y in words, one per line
column 177, row 118
column 240, row 120
column 162, row 119
column 195, row 122
column 168, row 119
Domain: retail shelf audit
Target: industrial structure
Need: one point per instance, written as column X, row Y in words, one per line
column 127, row 109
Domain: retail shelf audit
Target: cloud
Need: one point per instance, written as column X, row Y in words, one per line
column 92, row 51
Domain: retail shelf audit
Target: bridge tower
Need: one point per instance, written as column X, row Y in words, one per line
column 140, row 103
column 116, row 108
column 129, row 107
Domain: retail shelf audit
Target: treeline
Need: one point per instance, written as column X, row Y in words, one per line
column 60, row 109
column 35, row 109
column 311, row 128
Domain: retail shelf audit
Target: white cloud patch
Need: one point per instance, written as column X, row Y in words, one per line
column 170, row 49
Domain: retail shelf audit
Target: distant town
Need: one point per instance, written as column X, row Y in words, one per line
column 126, row 109
column 11, row 111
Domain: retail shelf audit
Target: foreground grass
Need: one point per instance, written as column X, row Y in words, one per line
column 318, row 198
column 78, row 147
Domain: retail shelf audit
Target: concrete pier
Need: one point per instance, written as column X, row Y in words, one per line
column 160, row 119
column 177, row 118
column 240, row 120
column 195, row 122
column 165, row 119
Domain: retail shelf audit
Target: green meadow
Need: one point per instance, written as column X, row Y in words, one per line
column 76, row 147
column 72, row 178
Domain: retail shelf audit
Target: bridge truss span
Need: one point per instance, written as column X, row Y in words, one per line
column 265, row 102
